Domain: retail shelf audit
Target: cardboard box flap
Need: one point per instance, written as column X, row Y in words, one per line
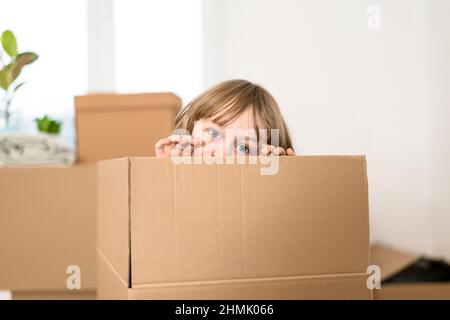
column 321, row 287
column 390, row 260
column 128, row 102
column 113, row 232
column 202, row 222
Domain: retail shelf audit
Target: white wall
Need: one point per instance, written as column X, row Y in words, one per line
column 345, row 89
column 438, row 42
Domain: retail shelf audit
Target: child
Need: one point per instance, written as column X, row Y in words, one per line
column 226, row 120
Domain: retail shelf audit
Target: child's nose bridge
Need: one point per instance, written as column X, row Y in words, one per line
column 219, row 146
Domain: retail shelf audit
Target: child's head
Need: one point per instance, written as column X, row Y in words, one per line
column 233, row 104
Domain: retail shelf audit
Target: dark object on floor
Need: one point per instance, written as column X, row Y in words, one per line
column 423, row 270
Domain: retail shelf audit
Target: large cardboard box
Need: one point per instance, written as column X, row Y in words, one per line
column 118, row 125
column 48, row 214
column 392, row 261
column 190, row 231
column 47, row 223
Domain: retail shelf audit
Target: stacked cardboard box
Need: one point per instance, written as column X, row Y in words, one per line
column 48, row 214
column 112, row 126
column 47, row 223
column 190, row 231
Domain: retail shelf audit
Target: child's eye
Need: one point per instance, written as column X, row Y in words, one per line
column 213, row 133
column 242, row 149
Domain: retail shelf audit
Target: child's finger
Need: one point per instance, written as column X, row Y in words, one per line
column 161, row 143
column 177, row 150
column 160, row 146
column 290, row 152
column 175, row 138
column 267, row 149
column 184, row 139
column 184, row 148
column 279, row 151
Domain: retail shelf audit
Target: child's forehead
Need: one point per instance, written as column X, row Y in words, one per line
column 245, row 119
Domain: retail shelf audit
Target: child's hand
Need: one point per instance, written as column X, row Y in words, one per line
column 175, row 145
column 278, row 151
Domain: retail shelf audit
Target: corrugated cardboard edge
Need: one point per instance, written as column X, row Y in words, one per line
column 130, row 279
column 328, row 287
column 119, row 255
column 110, row 284
column 342, row 286
column 126, row 102
column 363, row 162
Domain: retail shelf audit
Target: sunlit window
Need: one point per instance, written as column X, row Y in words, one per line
column 56, row 31
column 158, row 46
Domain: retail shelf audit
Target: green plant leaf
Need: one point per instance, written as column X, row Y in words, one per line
column 6, row 77
column 10, row 72
column 3, row 81
column 42, row 123
column 54, row 127
column 21, row 60
column 48, row 125
column 9, row 43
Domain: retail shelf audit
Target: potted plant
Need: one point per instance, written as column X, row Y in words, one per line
column 48, row 125
column 11, row 63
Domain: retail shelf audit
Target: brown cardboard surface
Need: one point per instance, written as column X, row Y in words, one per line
column 391, row 261
column 352, row 286
column 47, row 222
column 194, row 222
column 228, row 224
column 54, row 295
column 286, row 288
column 110, row 284
column 118, row 125
column 112, row 214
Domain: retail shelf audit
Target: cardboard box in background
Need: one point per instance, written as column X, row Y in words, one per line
column 47, row 222
column 118, row 125
column 170, row 231
column 391, row 262
column 48, row 214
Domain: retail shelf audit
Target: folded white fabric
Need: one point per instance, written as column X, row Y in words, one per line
column 36, row 149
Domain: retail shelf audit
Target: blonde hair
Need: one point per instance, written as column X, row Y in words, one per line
column 226, row 101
